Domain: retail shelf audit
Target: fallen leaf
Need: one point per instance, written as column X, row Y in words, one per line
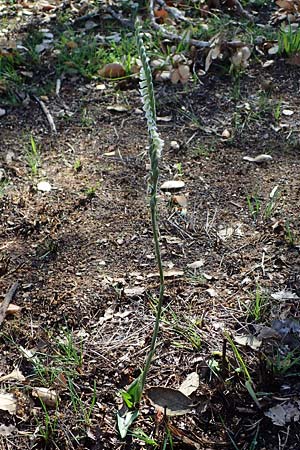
column 109, row 314
column 12, row 309
column 248, row 340
column 16, row 374
column 268, row 63
column 258, row 158
column 285, row 413
column 173, row 273
column 118, row 108
column 112, row 70
column 285, row 294
column 214, row 51
column 190, row 384
column 161, row 15
column 8, row 402
column 170, row 401
column 240, row 57
column 100, row 87
column 274, row 192
column 180, row 201
column 7, row 430
column 164, row 118
column 173, row 185
column 196, row 264
column 181, row 73
column 47, row 396
column 273, row 50
column 134, row 292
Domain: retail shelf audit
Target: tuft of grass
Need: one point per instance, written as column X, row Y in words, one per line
column 289, row 234
column 254, row 205
column 289, row 40
column 33, row 157
column 243, row 369
column 82, row 411
column 3, row 186
column 77, row 166
column 271, row 204
column 259, row 306
column 47, row 428
column 81, row 53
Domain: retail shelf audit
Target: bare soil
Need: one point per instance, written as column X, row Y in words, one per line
column 78, row 249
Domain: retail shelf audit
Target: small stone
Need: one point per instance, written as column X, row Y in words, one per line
column 174, row 145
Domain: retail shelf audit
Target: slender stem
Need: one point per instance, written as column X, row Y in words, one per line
column 153, row 207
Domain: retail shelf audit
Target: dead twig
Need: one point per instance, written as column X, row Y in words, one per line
column 242, row 12
column 116, row 15
column 172, row 36
column 7, row 299
column 47, row 114
column 172, row 11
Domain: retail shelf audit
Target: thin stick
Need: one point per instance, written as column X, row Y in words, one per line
column 172, row 36
column 47, row 114
column 7, row 299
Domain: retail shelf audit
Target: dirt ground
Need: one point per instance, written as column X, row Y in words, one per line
column 83, row 256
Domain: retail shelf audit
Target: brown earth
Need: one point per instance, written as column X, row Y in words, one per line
column 78, row 249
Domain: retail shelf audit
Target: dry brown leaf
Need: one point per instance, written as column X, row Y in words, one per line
column 161, row 15
column 181, row 73
column 13, row 309
column 47, row 396
column 180, row 200
column 170, row 401
column 112, row 70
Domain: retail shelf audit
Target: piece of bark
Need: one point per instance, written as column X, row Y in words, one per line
column 7, row 299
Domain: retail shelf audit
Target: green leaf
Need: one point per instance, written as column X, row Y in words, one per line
column 142, row 436
column 125, row 420
column 134, row 392
column 250, row 389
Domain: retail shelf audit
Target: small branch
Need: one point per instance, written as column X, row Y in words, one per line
column 116, row 15
column 172, row 11
column 7, row 299
column 172, row 36
column 242, row 12
column 47, row 114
